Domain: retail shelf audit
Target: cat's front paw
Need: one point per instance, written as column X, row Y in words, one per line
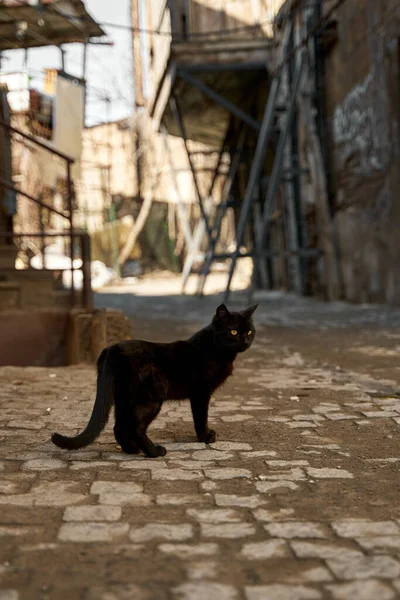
column 160, row 451
column 210, row 437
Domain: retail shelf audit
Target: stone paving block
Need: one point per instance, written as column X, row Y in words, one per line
column 274, row 515
column 326, row 407
column 302, row 424
column 325, row 551
column 392, row 402
column 211, row 455
column 281, row 592
column 123, row 487
column 33, row 425
column 17, row 530
column 121, row 456
column 117, row 591
column 227, row 530
column 179, row 499
column 7, row 594
column 191, row 464
column 9, row 487
column 202, row 570
column 117, row 498
column 258, row 454
column 380, row 414
column 353, row 528
column 287, row 463
column 359, row 405
column 92, row 532
column 43, row 464
column 299, row 529
column 341, row 416
column 214, row 515
column 92, row 513
column 33, row 455
column 228, row 473
column 185, row 551
column 204, row 591
column 231, row 446
column 329, row 473
column 150, row 463
column 267, row 549
column 79, row 465
column 315, row 575
column 308, row 418
column 364, row 567
column 39, row 547
column 384, row 461
column 382, row 542
column 242, row 501
column 236, row 418
column 273, row 487
column 191, row 446
column 115, row 493
column 361, row 590
column 175, row 475
column 294, row 474
column 54, row 493
column 208, row 486
column 151, row 531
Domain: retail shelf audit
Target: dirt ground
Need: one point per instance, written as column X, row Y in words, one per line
column 298, row 499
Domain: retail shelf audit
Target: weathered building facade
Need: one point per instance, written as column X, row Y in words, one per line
column 41, row 321
column 330, row 208
column 362, row 95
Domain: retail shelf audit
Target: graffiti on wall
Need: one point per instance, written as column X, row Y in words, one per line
column 360, row 127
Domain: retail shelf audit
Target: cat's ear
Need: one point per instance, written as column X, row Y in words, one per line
column 248, row 313
column 222, row 312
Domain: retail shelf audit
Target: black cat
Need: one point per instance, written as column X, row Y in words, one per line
column 139, row 376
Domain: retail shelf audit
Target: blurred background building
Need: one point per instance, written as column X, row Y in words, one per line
column 258, row 138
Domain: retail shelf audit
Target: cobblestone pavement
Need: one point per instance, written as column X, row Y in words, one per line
column 297, row 500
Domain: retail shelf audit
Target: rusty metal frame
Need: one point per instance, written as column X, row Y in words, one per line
column 71, row 234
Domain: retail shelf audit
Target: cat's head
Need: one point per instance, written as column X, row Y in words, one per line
column 233, row 331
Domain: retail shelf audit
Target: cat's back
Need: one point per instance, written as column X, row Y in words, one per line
column 148, row 350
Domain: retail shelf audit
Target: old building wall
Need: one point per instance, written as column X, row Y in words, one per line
column 362, row 94
column 109, row 146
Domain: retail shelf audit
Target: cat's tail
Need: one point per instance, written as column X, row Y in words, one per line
column 101, row 408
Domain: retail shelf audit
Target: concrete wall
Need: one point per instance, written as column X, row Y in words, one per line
column 363, row 106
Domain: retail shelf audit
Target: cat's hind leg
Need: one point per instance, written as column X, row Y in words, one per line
column 123, row 436
column 144, row 415
column 146, row 406
column 138, row 400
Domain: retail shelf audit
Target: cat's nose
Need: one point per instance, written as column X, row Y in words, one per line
column 246, row 343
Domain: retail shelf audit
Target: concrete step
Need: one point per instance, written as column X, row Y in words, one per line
column 57, row 337
column 90, row 332
column 10, row 295
column 39, row 288
column 8, row 254
column 62, row 299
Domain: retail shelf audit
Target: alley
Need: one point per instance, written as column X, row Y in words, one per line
column 297, row 500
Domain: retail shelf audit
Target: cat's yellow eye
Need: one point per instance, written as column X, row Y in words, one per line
column 249, row 332
column 233, row 332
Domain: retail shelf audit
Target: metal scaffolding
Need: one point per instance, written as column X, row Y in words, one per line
column 290, row 93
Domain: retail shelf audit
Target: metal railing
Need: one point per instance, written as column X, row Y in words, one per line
column 84, row 242
column 70, row 233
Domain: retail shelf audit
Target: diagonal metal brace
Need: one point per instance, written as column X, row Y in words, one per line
column 178, row 117
column 221, row 100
